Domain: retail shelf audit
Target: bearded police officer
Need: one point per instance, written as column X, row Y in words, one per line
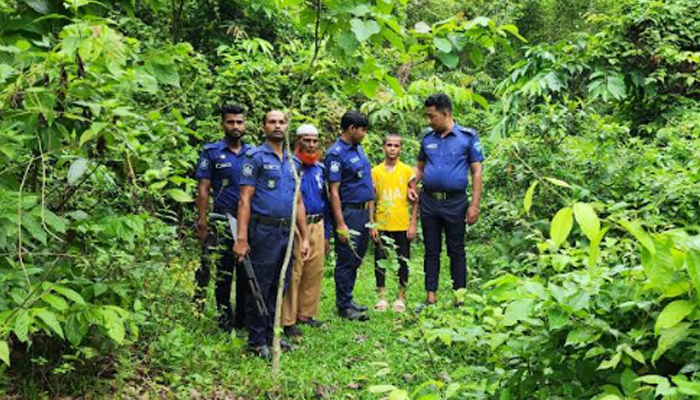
column 218, row 172
column 352, row 203
column 448, row 154
column 264, row 222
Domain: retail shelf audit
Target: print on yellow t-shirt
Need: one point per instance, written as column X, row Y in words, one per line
column 391, row 188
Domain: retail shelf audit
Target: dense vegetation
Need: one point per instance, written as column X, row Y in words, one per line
column 584, row 267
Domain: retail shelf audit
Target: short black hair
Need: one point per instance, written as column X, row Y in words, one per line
column 392, row 135
column 353, row 118
column 231, row 109
column 286, row 119
column 440, row 101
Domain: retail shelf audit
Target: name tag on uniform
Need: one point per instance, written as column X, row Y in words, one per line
column 223, row 165
column 354, row 160
column 431, row 146
column 270, row 167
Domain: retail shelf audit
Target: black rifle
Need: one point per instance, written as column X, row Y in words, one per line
column 249, row 272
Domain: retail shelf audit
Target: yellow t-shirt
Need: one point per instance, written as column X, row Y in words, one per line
column 391, row 188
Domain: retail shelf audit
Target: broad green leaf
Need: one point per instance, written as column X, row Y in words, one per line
column 450, row 60
column 70, row 294
column 75, row 329
column 5, row 352
column 381, row 388
column 612, row 363
column 635, row 228
column 442, row 44
column 370, row 87
column 685, row 386
column 92, row 132
column 634, row 354
column 393, row 38
column 179, row 195
column 670, row 338
column 77, row 170
column 398, row 394
column 513, row 30
column 21, row 325
column 561, row 226
column 364, row 29
column 558, row 182
column 672, row 314
column 50, row 319
column 518, row 310
column 114, row 325
column 55, row 301
column 594, row 248
column 587, row 219
column 394, row 84
column 628, row 382
column 527, row 202
column 692, row 261
column 583, row 335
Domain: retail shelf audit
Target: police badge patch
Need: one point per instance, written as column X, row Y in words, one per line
column 271, row 183
column 204, row 164
column 335, row 166
column 248, row 170
column 477, row 146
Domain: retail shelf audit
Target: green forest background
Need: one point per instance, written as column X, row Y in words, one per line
column 584, row 267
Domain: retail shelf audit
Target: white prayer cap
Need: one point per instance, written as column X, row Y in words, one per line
column 307, row 129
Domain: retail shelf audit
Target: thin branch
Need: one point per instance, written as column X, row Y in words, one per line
column 276, row 346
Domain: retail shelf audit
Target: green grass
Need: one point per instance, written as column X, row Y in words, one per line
column 190, row 356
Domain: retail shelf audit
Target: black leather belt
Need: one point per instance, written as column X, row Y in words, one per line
column 443, row 195
column 272, row 221
column 356, row 206
column 314, row 218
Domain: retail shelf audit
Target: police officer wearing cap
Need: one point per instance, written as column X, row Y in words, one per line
column 352, row 203
column 264, row 221
column 448, row 154
column 218, row 171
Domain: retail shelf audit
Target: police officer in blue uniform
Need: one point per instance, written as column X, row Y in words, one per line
column 264, row 221
column 218, row 172
column 352, row 202
column 448, row 154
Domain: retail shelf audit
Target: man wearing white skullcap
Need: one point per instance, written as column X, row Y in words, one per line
column 301, row 301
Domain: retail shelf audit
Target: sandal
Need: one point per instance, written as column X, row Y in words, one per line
column 381, row 305
column 399, row 306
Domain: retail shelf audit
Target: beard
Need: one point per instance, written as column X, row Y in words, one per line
column 234, row 135
column 308, row 159
column 276, row 136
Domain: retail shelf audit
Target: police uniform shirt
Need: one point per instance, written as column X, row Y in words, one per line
column 273, row 180
column 347, row 163
column 222, row 167
column 314, row 192
column 447, row 160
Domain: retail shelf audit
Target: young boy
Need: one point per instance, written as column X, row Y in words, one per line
column 391, row 180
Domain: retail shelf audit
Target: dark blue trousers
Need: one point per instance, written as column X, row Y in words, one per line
column 268, row 245
column 350, row 258
column 444, row 215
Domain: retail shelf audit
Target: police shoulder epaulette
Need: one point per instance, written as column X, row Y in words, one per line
column 335, row 150
column 252, row 151
column 211, row 146
column 321, row 165
column 470, row 131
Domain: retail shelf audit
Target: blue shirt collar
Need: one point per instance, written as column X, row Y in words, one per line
column 346, row 144
column 455, row 130
column 222, row 145
column 267, row 149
